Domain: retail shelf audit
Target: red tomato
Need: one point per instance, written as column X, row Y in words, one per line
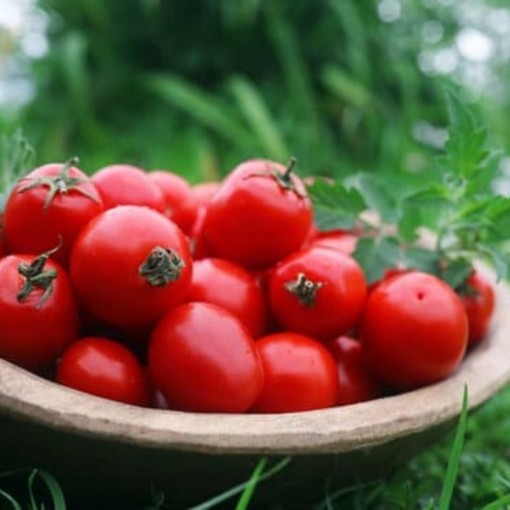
column 127, row 185
column 38, row 311
column 49, row 207
column 344, row 242
column 317, row 292
column 232, row 287
column 204, row 192
column 203, row 359
column 356, row 384
column 260, row 214
column 104, row 368
column 300, row 374
column 479, row 304
column 129, row 265
column 199, row 246
column 414, row 330
column 180, row 203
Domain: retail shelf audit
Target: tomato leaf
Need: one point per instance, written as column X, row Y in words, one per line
column 376, row 254
column 335, row 205
column 375, row 195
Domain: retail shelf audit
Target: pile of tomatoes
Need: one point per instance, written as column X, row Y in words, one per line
column 221, row 297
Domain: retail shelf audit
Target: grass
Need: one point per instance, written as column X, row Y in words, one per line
column 469, row 469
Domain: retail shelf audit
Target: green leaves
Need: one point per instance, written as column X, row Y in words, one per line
column 335, row 205
column 460, row 207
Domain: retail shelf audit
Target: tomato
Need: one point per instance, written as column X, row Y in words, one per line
column 260, row 214
column 204, row 192
column 317, row 292
column 48, row 208
column 414, row 330
column 230, row 286
column 180, row 203
column 199, row 246
column 203, row 359
column 129, row 265
column 356, row 384
column 344, row 242
column 127, row 185
column 38, row 311
column 104, row 368
column 300, row 374
column 479, row 302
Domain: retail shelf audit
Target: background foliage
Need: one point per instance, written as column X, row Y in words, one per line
column 199, row 86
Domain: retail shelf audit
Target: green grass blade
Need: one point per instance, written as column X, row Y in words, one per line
column 247, row 493
column 346, row 87
column 297, row 75
column 54, row 489
column 7, row 497
column 238, row 489
column 498, row 504
column 204, row 107
column 258, row 116
column 455, row 455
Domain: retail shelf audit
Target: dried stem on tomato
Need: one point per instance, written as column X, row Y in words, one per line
column 162, row 266
column 60, row 184
column 36, row 277
column 304, row 289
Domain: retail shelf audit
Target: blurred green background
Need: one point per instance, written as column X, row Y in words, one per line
column 196, row 87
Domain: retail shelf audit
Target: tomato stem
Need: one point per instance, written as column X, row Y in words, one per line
column 161, row 267
column 61, row 184
column 35, row 277
column 304, row 289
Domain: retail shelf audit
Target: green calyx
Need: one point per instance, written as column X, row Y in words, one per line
column 36, row 277
column 61, row 184
column 304, row 289
column 161, row 267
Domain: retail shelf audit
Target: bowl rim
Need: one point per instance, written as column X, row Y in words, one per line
column 484, row 372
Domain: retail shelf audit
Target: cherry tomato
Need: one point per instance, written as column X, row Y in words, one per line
column 203, row 359
column 356, row 384
column 127, row 185
column 199, row 246
column 317, row 292
column 48, row 208
column 300, row 374
column 344, row 242
column 479, row 301
column 232, row 287
column 180, row 202
column 38, row 311
column 414, row 330
column 260, row 214
column 129, row 265
column 204, row 192
column 104, row 368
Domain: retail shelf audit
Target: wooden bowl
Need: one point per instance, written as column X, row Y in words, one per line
column 105, row 452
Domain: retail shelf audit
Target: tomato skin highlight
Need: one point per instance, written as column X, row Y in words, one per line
column 34, row 331
column 479, row 304
column 203, row 359
column 300, row 374
column 180, row 202
column 232, row 287
column 344, row 242
column 337, row 303
column 253, row 220
column 31, row 227
column 414, row 330
column 106, row 265
column 356, row 384
column 122, row 184
column 104, row 368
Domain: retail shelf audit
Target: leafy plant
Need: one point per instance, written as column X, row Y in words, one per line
column 459, row 205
